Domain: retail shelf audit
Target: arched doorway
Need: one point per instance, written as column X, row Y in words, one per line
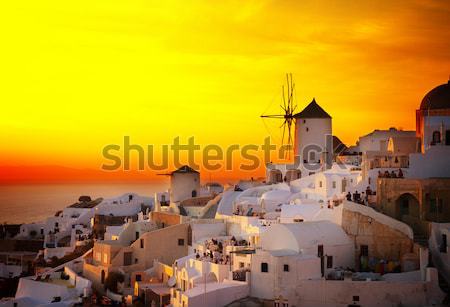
column 408, row 210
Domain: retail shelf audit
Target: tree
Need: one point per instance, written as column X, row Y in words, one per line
column 112, row 279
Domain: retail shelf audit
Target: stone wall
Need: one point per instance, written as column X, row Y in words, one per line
column 424, row 194
column 383, row 240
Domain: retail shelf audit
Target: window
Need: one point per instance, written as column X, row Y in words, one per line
column 127, row 258
column 180, row 242
column 264, row 267
column 364, row 250
column 320, row 184
column 436, row 138
column 286, row 267
column 137, row 235
column 105, row 258
column 356, row 298
column 307, row 129
column 103, row 277
column 298, row 220
column 142, row 243
column 320, row 251
column 241, row 265
column 138, row 277
column 98, row 256
column 329, row 262
column 334, row 184
column 312, row 156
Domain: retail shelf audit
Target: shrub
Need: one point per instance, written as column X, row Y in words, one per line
column 112, row 279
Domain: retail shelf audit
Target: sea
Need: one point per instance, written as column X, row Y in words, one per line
column 35, row 202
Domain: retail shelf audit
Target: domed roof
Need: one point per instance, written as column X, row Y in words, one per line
column 437, row 98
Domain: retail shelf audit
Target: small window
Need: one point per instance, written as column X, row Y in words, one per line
column 142, row 243
column 319, row 250
column 320, row 184
column 334, row 184
column 356, row 298
column 329, row 262
column 241, row 265
column 286, row 267
column 135, row 260
column 180, row 242
column 307, row 129
column 264, row 267
column 364, row 250
column 138, row 277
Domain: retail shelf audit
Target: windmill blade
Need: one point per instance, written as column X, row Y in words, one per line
column 273, row 116
column 284, row 129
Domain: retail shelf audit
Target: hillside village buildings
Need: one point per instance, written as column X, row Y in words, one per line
column 366, row 227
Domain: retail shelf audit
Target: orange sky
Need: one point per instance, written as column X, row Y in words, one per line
column 78, row 75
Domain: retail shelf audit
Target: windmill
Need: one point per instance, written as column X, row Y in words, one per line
column 288, row 108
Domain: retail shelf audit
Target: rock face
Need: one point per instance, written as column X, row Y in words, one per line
column 382, row 241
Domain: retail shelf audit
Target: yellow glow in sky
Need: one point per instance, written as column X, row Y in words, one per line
column 77, row 75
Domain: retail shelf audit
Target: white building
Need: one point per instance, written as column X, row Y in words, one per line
column 293, row 252
column 184, row 184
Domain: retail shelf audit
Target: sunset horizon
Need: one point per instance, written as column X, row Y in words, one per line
column 79, row 77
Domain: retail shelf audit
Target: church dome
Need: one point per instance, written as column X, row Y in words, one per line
column 437, row 98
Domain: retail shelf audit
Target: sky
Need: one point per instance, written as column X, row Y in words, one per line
column 79, row 75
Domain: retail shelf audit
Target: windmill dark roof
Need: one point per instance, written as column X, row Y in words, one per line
column 184, row 169
column 312, row 110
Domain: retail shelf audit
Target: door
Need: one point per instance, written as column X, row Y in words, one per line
column 127, row 258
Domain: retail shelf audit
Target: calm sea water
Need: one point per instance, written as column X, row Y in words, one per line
column 35, row 202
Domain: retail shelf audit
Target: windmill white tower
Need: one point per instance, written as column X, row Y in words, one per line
column 313, row 135
column 313, row 140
